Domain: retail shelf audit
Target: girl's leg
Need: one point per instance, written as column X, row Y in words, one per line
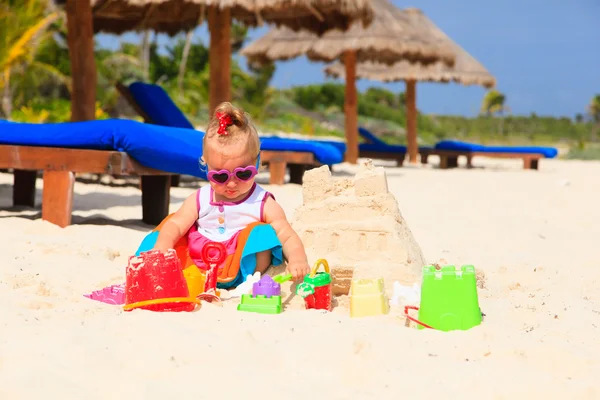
column 263, row 261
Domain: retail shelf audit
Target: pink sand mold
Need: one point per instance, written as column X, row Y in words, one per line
column 114, row 294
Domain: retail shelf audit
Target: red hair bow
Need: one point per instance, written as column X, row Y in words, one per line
column 224, row 121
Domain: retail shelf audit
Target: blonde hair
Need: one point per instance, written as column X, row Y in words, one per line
column 241, row 130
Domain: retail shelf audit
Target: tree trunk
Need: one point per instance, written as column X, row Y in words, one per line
column 411, row 121
column 80, row 38
column 184, row 58
column 351, row 107
column 219, row 58
column 145, row 50
column 7, row 97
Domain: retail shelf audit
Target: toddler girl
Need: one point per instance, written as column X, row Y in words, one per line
column 218, row 212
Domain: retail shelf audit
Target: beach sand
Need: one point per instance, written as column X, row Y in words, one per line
column 534, row 234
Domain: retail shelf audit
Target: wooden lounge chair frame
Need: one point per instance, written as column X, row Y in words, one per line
column 449, row 158
column 393, row 155
column 59, row 166
column 383, row 155
column 397, row 156
column 278, row 161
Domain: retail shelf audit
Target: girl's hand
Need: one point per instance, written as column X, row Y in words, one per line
column 298, row 269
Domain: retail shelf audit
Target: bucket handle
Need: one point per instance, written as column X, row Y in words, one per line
column 320, row 261
column 406, row 308
column 131, row 306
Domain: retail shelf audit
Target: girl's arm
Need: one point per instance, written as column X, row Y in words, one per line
column 178, row 224
column 293, row 249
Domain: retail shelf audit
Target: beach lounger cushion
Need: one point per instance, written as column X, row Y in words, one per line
column 375, row 147
column 369, row 137
column 324, row 153
column 341, row 146
column 173, row 150
column 456, row 145
column 155, row 102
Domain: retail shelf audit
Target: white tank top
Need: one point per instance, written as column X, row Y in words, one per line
column 219, row 221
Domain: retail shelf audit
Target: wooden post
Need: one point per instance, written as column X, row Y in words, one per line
column 155, row 198
column 351, row 107
column 297, row 173
column 277, row 171
column 411, row 121
column 57, row 198
column 24, row 187
column 219, row 59
column 80, row 38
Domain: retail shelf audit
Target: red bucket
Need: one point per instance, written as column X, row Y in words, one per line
column 154, row 281
column 320, row 299
column 316, row 288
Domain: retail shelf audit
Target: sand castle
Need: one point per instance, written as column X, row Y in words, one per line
column 357, row 226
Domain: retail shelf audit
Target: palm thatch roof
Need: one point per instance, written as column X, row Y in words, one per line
column 392, row 36
column 173, row 16
column 466, row 70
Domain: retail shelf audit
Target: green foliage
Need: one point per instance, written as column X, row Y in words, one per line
column 166, row 67
column 493, row 102
column 590, row 152
column 594, row 108
column 298, row 123
column 312, row 97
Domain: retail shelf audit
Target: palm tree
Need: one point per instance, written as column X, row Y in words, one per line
column 145, row 53
column 594, row 112
column 22, row 26
column 184, row 58
column 494, row 103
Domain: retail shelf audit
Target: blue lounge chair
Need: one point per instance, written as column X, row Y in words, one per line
column 153, row 104
column 117, row 147
column 373, row 147
column 450, row 150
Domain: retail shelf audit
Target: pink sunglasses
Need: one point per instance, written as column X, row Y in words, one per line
column 223, row 176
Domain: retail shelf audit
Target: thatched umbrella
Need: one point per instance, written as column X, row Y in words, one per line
column 392, row 36
column 85, row 17
column 466, row 70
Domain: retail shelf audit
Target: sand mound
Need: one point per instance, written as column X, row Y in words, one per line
column 357, row 226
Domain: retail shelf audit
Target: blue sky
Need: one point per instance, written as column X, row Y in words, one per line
column 545, row 55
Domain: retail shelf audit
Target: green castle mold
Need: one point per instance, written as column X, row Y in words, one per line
column 260, row 304
column 449, row 298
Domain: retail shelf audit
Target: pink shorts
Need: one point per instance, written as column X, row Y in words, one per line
column 197, row 241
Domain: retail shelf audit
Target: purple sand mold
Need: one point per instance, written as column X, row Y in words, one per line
column 114, row 294
column 266, row 286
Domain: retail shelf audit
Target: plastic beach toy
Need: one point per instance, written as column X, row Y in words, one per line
column 368, row 297
column 316, row 288
column 266, row 286
column 281, row 278
column 195, row 279
column 449, row 299
column 265, row 297
column 213, row 254
column 113, row 294
column 154, row 281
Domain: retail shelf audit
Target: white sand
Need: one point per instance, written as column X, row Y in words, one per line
column 534, row 234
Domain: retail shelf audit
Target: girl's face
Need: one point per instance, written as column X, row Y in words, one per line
column 229, row 158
